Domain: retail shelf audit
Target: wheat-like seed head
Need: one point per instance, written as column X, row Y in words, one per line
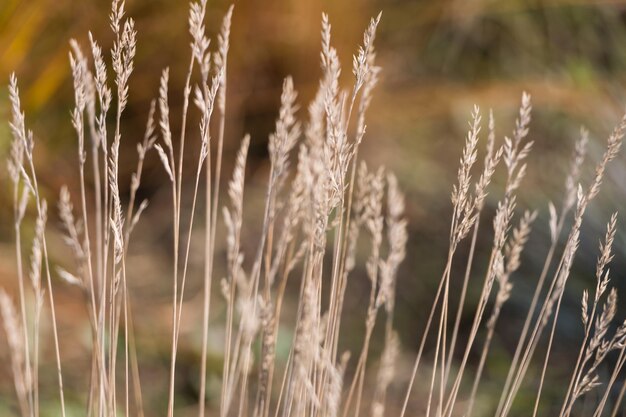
column 149, row 140
column 69, row 278
column 81, row 78
column 72, row 227
column 221, row 56
column 18, row 128
column 578, row 157
column 614, row 143
column 11, row 325
column 514, row 247
column 282, row 141
column 387, row 368
column 360, row 64
column 117, row 13
column 200, row 43
column 605, row 256
column 334, row 385
column 268, row 344
column 36, row 254
column 123, row 54
column 523, row 121
column 233, row 217
column 14, row 338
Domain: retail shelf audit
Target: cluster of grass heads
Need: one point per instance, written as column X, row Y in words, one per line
column 313, row 218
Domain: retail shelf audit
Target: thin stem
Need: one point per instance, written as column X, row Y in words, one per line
column 211, row 223
column 545, row 365
column 474, row 330
column 55, row 332
column 578, row 368
column 459, row 312
column 177, row 208
column 188, row 247
column 531, row 311
column 36, row 358
column 532, row 344
column 618, row 367
column 422, row 344
column 208, row 249
column 481, row 365
column 20, row 278
column 620, row 397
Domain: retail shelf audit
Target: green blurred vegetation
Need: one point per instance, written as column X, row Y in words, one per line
column 439, row 57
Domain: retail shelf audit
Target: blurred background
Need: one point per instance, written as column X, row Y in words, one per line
column 439, row 58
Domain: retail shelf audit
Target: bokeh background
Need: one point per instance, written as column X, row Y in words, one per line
column 439, row 57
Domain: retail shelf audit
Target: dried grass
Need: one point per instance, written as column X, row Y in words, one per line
column 314, row 216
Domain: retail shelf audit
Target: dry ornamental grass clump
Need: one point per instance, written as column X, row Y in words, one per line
column 320, row 201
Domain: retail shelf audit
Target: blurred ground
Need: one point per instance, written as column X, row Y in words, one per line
column 439, row 57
